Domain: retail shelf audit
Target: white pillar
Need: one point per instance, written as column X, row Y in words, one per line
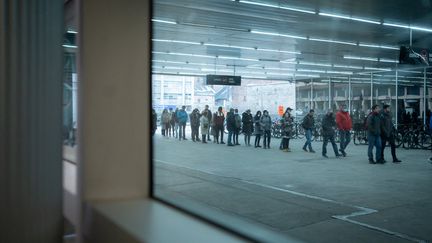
column 424, row 97
column 371, row 90
column 349, row 94
column 397, row 97
column 329, row 93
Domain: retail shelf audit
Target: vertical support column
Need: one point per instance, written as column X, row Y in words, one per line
column 371, row 90
column 162, row 90
column 424, row 97
column 329, row 94
column 397, row 97
column 183, row 90
column 349, row 94
column 311, row 96
column 31, row 73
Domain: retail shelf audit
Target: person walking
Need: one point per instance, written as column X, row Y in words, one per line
column 247, row 128
column 218, row 123
column 344, row 125
column 195, row 124
column 258, row 129
column 266, row 124
column 308, row 124
column 388, row 134
column 328, row 125
column 182, row 117
column 238, row 123
column 286, row 128
column 374, row 135
column 165, row 122
column 231, row 126
column 205, row 124
column 209, row 118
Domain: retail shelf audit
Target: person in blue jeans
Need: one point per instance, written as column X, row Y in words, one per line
column 230, row 118
column 308, row 124
column 182, row 117
column 374, row 135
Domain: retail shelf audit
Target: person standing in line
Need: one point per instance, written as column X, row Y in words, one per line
column 266, row 124
column 247, row 120
column 230, row 126
column 374, row 135
column 182, row 117
column 344, row 125
column 308, row 124
column 238, row 123
column 209, row 118
column 286, row 127
column 388, row 133
column 205, row 124
column 154, row 121
column 218, row 122
column 174, row 122
column 165, row 119
column 258, row 129
column 195, row 124
column 328, row 125
column 171, row 124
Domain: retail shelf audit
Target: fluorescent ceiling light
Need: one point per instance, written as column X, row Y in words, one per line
column 238, row 58
column 285, row 69
column 206, row 64
column 182, row 54
column 277, row 34
column 388, row 60
column 279, row 74
column 256, row 77
column 277, row 6
column 230, row 46
column 163, row 21
column 311, row 70
column 421, row 28
column 271, row 50
column 217, row 70
column 339, row 72
column 169, row 62
column 315, row 64
column 70, row 46
column 181, row 68
column 289, row 62
column 306, row 75
column 361, row 58
column 334, row 41
column 214, row 27
column 177, row 41
column 252, row 67
column 378, row 46
column 72, row 32
column 345, row 66
column 396, row 25
column 348, row 17
column 381, row 69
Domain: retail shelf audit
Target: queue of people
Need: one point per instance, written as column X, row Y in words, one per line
column 379, row 126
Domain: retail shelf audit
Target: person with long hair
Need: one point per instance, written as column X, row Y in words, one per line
column 257, row 128
column 247, row 120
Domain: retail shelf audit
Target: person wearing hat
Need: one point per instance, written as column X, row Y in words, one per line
column 328, row 125
column 286, row 128
column 308, row 124
column 388, row 133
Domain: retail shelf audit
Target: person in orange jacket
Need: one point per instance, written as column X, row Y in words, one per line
column 344, row 125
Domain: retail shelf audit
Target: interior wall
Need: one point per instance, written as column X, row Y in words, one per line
column 31, row 64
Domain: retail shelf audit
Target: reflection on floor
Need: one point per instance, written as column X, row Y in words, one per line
column 301, row 194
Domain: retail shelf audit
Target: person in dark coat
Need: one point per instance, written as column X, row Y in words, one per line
column 209, row 117
column 154, row 121
column 231, row 126
column 308, row 124
column 328, row 125
column 258, row 129
column 195, row 124
column 374, row 135
column 286, row 128
column 247, row 120
column 238, row 123
column 388, row 133
column 218, row 120
column 266, row 124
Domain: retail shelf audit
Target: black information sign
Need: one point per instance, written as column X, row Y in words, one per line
column 223, row 80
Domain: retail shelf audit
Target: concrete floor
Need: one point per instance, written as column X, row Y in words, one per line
column 301, row 194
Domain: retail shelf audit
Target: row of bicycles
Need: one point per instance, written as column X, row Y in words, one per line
column 408, row 136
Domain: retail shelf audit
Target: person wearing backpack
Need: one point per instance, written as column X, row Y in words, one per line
column 238, row 123
column 328, row 125
column 266, row 124
column 308, row 124
column 374, row 135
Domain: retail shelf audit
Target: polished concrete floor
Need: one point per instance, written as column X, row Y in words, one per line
column 300, row 194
